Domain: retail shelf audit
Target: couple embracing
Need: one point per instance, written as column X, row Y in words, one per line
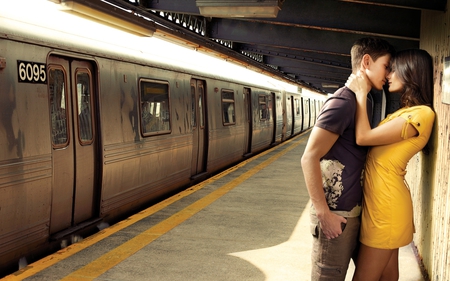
column 361, row 205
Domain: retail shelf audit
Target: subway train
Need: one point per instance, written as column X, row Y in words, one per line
column 94, row 128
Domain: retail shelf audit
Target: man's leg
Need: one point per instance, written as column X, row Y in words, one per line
column 331, row 257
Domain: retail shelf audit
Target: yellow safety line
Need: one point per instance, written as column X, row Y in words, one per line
column 114, row 257
column 62, row 254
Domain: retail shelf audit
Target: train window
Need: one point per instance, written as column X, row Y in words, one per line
column 155, row 109
column 228, row 109
column 200, row 107
column 194, row 111
column 84, row 107
column 297, row 107
column 247, row 96
column 263, row 108
column 58, row 105
column 306, row 106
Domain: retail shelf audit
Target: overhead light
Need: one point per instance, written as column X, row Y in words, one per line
column 239, row 9
column 334, row 86
column 110, row 15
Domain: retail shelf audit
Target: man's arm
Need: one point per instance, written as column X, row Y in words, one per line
column 319, row 143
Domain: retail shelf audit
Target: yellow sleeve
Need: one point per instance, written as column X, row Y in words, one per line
column 418, row 116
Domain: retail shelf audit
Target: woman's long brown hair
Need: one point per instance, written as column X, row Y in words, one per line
column 414, row 67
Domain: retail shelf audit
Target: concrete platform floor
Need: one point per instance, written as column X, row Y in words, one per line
column 248, row 223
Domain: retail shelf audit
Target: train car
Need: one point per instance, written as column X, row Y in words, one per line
column 94, row 128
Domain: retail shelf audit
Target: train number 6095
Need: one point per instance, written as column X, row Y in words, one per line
column 31, row 72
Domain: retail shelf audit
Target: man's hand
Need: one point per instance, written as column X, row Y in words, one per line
column 359, row 83
column 330, row 224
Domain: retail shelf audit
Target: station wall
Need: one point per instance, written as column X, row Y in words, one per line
column 428, row 175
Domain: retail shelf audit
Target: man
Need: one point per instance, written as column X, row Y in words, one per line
column 333, row 166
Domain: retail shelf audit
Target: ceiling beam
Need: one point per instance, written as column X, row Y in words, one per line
column 190, row 7
column 436, row 5
column 357, row 18
column 295, row 38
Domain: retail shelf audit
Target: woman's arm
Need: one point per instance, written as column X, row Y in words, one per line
column 389, row 132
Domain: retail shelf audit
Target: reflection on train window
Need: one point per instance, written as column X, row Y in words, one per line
column 248, row 103
column 297, row 107
column 200, row 107
column 228, row 111
column 194, row 111
column 57, row 96
column 155, row 109
column 84, row 108
column 306, row 106
column 263, row 108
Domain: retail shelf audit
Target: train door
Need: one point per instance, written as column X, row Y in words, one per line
column 199, row 128
column 74, row 141
column 248, row 122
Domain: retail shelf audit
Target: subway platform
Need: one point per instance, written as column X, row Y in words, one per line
column 250, row 222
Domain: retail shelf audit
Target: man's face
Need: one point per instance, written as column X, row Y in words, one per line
column 377, row 71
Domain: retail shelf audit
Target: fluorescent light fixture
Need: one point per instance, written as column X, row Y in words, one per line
column 110, row 15
column 334, row 86
column 239, row 9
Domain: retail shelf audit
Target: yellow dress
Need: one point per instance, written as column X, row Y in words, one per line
column 387, row 215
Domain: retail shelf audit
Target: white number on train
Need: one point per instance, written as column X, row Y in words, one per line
column 31, row 72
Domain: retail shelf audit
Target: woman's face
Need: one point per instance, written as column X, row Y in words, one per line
column 395, row 84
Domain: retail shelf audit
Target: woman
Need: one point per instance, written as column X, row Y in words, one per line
column 387, row 216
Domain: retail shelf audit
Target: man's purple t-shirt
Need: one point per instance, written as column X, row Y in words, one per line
column 342, row 166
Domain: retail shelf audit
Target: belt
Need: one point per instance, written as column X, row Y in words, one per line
column 355, row 212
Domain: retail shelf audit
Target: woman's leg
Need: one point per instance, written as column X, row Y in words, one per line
column 371, row 263
column 391, row 273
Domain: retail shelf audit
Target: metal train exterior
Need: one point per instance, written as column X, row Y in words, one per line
column 91, row 131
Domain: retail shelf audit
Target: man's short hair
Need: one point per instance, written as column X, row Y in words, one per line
column 374, row 47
